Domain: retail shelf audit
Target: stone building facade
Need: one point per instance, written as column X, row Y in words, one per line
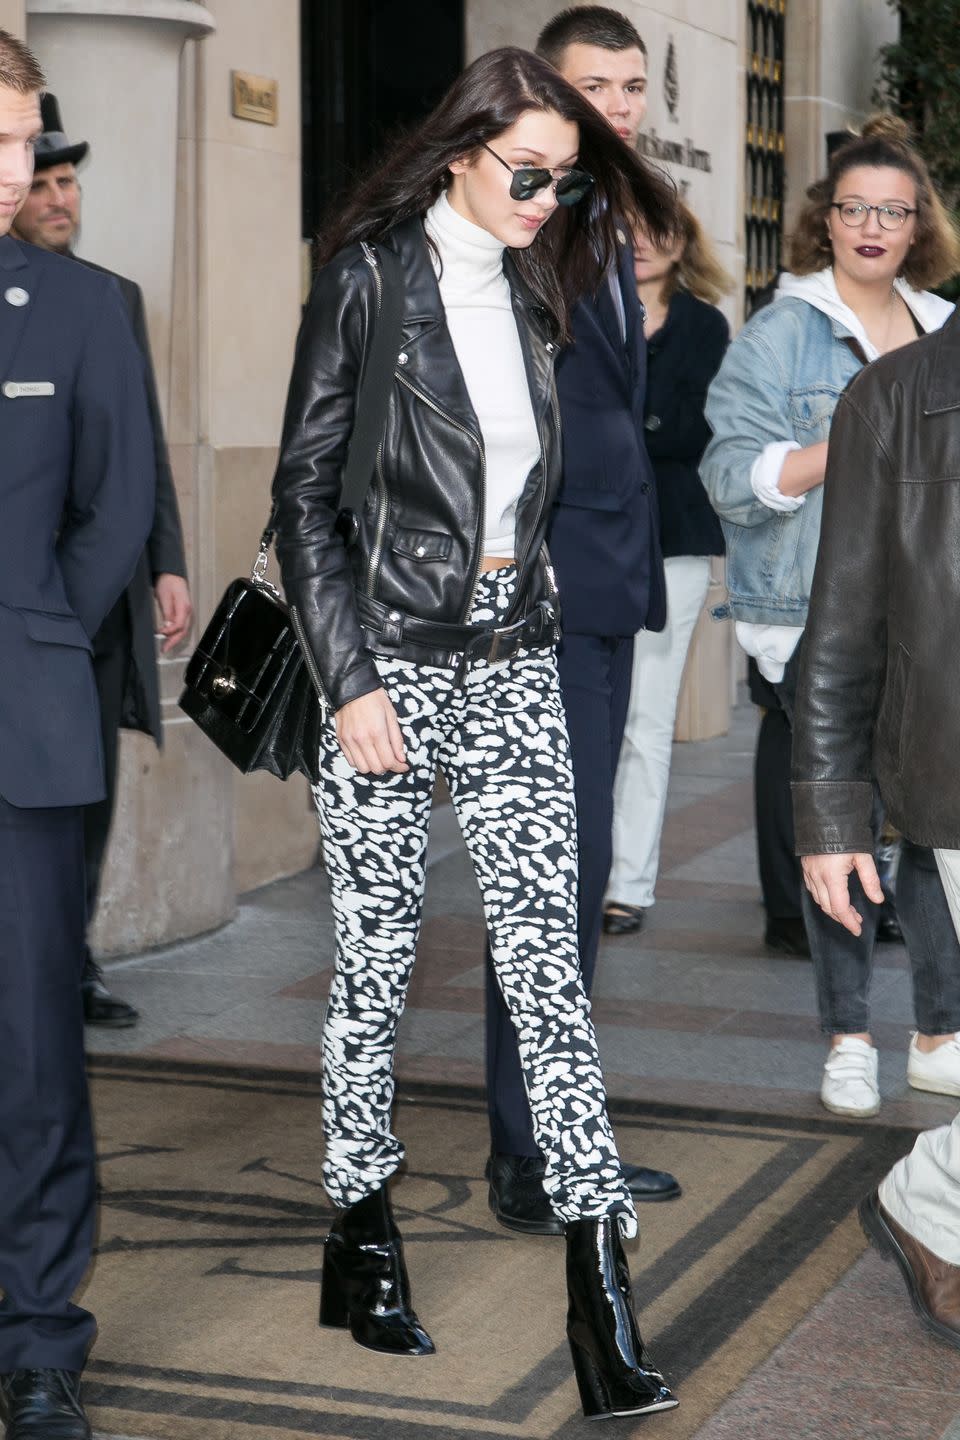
column 203, row 208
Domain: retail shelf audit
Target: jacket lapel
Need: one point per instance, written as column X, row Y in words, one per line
column 610, row 319
column 17, row 278
column 428, row 361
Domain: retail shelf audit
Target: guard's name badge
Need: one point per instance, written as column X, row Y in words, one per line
column 14, row 389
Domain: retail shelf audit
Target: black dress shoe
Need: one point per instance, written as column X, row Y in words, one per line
column 622, row 919
column 99, row 1006
column 365, row 1287
column 43, row 1405
column 517, row 1197
column 787, row 937
column 645, row 1184
column 614, row 1375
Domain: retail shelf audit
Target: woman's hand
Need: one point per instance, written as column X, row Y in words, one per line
column 368, row 733
column 804, row 469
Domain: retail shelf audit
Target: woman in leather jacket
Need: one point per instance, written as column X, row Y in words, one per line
column 871, row 236
column 428, row 620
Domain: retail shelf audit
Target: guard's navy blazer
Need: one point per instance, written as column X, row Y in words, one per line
column 605, row 535
column 77, row 504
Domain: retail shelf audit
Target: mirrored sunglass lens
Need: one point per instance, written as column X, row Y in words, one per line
column 573, row 187
column 526, row 183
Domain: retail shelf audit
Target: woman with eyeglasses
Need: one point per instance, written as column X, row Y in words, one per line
column 429, row 620
column 872, row 235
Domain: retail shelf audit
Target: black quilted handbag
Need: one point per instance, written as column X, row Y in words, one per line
column 248, row 684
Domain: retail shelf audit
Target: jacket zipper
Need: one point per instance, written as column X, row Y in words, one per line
column 377, row 550
column 325, row 706
column 483, row 483
column 375, row 553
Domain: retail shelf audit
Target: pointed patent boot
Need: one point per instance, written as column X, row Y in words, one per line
column 614, row 1376
column 365, row 1287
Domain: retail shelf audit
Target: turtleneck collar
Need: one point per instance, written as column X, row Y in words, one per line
column 471, row 258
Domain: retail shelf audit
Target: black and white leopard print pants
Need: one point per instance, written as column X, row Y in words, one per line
column 501, row 742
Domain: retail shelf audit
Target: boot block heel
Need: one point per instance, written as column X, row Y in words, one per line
column 593, row 1396
column 334, row 1311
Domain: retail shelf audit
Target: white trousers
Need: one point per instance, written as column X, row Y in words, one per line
column 640, row 796
column 922, row 1191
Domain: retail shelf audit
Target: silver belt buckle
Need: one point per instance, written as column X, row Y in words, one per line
column 502, row 639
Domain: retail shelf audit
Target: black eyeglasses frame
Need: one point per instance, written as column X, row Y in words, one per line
column 903, row 210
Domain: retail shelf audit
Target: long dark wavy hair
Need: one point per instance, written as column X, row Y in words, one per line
column 571, row 254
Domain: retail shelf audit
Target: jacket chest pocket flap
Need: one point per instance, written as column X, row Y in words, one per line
column 811, row 411
column 53, row 629
column 422, row 545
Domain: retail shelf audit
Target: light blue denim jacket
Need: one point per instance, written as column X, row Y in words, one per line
column 780, row 380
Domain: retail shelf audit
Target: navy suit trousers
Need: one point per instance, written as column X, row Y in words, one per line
column 595, row 672
column 47, row 1180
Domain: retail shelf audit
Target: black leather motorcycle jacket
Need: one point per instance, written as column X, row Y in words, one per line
column 419, row 537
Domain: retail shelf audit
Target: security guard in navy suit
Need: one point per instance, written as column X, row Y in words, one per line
column 76, row 492
column 124, row 648
column 605, row 546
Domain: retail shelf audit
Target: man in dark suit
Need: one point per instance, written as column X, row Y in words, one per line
column 76, row 490
column 124, row 652
column 605, row 546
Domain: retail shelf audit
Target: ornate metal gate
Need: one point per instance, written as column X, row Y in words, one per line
column 764, row 146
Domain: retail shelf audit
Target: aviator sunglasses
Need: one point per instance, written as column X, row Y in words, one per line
column 570, row 186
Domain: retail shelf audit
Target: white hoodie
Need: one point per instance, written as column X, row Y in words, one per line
column 772, row 645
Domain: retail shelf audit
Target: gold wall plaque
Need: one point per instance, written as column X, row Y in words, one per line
column 255, row 98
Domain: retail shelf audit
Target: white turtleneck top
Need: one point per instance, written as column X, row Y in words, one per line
column 483, row 328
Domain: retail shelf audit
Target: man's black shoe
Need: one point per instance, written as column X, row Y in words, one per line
column 788, row 937
column 99, row 1006
column 43, row 1405
column 517, row 1197
column 645, row 1184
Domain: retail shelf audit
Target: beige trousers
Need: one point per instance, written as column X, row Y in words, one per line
column 922, row 1191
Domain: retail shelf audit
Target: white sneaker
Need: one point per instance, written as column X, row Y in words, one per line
column 850, row 1079
column 939, row 1071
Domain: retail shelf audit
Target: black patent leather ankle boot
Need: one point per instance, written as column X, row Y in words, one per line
column 365, row 1288
column 613, row 1375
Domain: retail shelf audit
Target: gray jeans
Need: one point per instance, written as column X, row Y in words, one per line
column 843, row 962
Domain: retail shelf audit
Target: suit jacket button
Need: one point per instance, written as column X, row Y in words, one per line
column 652, row 422
column 644, row 487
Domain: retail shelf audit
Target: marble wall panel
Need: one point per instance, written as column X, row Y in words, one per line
column 832, row 66
column 13, row 17
column 169, row 871
column 275, row 829
column 263, row 39
column 249, row 291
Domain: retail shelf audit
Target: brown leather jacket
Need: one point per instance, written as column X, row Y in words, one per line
column 879, row 687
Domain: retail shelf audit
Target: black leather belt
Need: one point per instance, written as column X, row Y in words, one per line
column 393, row 628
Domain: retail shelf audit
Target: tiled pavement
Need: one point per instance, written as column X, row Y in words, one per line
column 693, row 1011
